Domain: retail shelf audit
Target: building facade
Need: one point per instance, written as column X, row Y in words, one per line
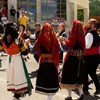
column 44, row 10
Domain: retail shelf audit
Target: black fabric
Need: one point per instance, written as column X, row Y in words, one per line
column 47, row 78
column 36, row 57
column 12, row 12
column 63, row 34
column 96, row 38
column 17, row 95
column 1, row 28
column 90, row 66
column 72, row 73
column 37, row 34
column 61, row 57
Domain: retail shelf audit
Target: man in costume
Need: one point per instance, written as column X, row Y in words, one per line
column 91, row 56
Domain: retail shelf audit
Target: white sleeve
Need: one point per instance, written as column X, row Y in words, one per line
column 32, row 36
column 88, row 40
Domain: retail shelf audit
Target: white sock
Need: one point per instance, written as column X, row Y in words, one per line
column 80, row 91
column 49, row 97
column 69, row 92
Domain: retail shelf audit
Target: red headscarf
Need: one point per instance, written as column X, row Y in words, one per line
column 48, row 39
column 76, row 35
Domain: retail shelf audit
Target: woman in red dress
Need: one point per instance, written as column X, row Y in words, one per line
column 73, row 63
column 47, row 46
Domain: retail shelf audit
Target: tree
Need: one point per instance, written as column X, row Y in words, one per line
column 94, row 7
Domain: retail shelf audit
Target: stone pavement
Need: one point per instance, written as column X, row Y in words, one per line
column 32, row 67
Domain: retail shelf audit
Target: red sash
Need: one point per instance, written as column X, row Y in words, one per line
column 92, row 51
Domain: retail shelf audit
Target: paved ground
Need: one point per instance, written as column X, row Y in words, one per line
column 32, row 67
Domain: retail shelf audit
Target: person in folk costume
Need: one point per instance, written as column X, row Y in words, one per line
column 18, row 80
column 47, row 46
column 25, row 37
column 61, row 32
column 73, row 62
column 91, row 57
column 86, row 29
column 22, row 31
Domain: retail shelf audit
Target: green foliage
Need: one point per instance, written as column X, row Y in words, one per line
column 94, row 8
column 80, row 15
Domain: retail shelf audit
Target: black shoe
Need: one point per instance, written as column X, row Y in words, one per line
column 68, row 98
column 97, row 92
column 90, row 82
column 81, row 97
column 86, row 93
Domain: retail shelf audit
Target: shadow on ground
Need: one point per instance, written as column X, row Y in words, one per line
column 33, row 74
column 87, row 97
column 3, row 70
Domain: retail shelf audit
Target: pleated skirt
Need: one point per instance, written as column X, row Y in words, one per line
column 47, row 79
column 18, row 80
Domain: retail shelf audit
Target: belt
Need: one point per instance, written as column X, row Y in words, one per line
column 77, row 53
column 46, row 58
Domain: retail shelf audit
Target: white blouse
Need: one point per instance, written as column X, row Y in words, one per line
column 88, row 40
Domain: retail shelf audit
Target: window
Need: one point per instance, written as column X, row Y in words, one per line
column 32, row 13
column 32, row 0
column 23, row 6
column 23, row 0
column 53, row 8
column 30, row 7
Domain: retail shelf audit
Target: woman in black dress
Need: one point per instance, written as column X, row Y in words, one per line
column 47, row 46
column 73, row 64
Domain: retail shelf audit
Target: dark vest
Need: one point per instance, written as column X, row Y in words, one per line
column 94, row 49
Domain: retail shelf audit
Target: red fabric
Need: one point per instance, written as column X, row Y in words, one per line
column 5, row 12
column 92, row 51
column 22, row 35
column 13, row 49
column 48, row 39
column 76, row 35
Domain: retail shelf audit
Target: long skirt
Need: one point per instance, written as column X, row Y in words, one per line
column 18, row 80
column 47, row 79
column 72, row 74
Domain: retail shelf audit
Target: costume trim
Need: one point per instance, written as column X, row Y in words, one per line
column 70, row 86
column 46, row 88
column 23, row 48
column 16, row 85
column 44, row 93
column 27, row 77
column 24, row 88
